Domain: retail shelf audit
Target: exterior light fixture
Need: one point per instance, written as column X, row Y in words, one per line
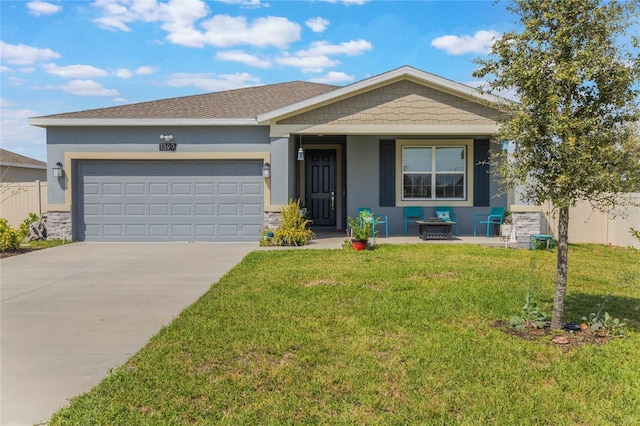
column 57, row 170
column 266, row 171
column 166, row 138
column 300, row 151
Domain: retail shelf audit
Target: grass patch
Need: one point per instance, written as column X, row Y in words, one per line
column 397, row 335
column 33, row 246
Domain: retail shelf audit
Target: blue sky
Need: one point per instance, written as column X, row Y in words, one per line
column 60, row 56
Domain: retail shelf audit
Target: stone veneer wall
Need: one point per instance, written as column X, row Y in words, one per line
column 525, row 223
column 272, row 219
column 59, row 225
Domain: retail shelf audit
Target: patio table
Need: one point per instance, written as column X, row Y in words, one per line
column 435, row 229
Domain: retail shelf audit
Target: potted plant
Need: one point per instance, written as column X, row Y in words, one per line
column 362, row 228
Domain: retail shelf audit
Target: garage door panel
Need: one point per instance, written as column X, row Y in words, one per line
column 112, row 189
column 158, row 189
column 205, row 189
column 135, row 230
column 228, row 188
column 136, row 209
column 207, row 210
column 113, row 230
column 135, row 189
column 251, row 210
column 112, row 209
column 168, row 200
column 91, row 189
column 251, row 189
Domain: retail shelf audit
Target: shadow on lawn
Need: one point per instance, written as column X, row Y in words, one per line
column 627, row 309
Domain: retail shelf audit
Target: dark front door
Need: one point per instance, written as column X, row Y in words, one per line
column 320, row 190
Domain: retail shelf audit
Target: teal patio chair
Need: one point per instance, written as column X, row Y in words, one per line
column 495, row 217
column 379, row 220
column 412, row 214
column 447, row 214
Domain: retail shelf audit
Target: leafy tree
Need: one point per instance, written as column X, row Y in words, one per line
column 575, row 68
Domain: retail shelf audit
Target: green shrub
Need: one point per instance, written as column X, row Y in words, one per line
column 295, row 228
column 9, row 238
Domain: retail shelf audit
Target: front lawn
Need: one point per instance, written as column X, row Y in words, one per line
column 398, row 335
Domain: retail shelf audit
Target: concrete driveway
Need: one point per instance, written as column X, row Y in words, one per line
column 71, row 313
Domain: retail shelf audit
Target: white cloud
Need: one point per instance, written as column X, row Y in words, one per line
column 16, row 133
column 225, row 30
column 75, row 71
column 123, row 73
column 17, row 81
column 317, row 25
column 38, row 8
column 179, row 19
column 213, row 82
column 349, row 48
column 308, row 64
column 334, row 77
column 144, row 70
column 243, row 57
column 480, row 42
column 85, row 88
column 316, row 58
column 5, row 69
column 88, row 71
column 21, row 54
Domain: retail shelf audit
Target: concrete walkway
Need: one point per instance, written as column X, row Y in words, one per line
column 71, row 313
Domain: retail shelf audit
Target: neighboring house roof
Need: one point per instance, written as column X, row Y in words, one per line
column 8, row 158
column 253, row 105
column 234, row 106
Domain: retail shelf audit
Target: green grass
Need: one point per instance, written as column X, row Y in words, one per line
column 397, row 335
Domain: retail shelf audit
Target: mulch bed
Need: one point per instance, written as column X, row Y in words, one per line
column 565, row 339
column 4, row 254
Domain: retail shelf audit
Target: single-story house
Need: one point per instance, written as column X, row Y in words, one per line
column 191, row 168
column 19, row 168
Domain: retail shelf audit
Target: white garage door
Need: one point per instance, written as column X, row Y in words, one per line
column 175, row 200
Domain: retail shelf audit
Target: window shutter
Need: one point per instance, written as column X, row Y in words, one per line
column 481, row 176
column 387, row 173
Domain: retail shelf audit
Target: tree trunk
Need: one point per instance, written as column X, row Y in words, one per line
column 561, row 276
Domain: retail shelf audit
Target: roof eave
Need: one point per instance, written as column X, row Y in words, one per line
column 140, row 122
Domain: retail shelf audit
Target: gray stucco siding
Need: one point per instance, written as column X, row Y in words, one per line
column 61, row 140
column 282, row 172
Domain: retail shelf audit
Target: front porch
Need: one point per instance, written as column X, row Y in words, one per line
column 334, row 239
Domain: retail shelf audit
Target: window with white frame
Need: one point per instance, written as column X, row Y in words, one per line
column 434, row 173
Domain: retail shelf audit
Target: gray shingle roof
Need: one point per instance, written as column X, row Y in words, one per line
column 8, row 157
column 240, row 103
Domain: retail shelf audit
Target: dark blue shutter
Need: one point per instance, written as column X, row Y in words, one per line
column 387, row 173
column 481, row 176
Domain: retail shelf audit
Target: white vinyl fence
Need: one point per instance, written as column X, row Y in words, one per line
column 18, row 199
column 587, row 225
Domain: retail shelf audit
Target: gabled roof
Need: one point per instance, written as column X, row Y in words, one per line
column 405, row 72
column 251, row 106
column 8, row 158
column 240, row 106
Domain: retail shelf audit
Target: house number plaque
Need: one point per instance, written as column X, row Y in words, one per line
column 168, row 146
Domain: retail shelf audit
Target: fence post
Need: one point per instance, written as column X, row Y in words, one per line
column 39, row 200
